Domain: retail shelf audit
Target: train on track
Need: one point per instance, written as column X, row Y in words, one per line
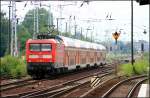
column 53, row 54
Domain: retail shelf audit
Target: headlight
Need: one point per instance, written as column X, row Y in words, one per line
column 47, row 56
column 33, row 56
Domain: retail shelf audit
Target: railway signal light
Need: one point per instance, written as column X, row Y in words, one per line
column 144, row 32
column 116, row 36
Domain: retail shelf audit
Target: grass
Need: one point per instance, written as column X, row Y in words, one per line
column 140, row 67
column 13, row 67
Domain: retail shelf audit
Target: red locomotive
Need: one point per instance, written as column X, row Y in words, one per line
column 56, row 54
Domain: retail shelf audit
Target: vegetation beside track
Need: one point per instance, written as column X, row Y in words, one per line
column 12, row 67
column 139, row 67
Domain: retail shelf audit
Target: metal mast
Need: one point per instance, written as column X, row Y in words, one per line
column 60, row 16
column 9, row 30
column 49, row 18
column 14, row 44
column 34, row 31
column 36, row 20
column 70, row 24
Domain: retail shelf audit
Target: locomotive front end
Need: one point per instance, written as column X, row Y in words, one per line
column 40, row 57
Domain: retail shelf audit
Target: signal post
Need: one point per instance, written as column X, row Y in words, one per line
column 116, row 36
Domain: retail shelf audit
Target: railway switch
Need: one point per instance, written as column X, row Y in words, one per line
column 95, row 80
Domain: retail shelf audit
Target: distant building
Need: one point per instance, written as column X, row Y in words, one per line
column 138, row 45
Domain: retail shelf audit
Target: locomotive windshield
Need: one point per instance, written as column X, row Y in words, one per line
column 45, row 47
column 34, row 47
column 40, row 47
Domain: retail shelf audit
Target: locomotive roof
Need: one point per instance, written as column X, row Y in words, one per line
column 39, row 40
column 70, row 42
column 82, row 44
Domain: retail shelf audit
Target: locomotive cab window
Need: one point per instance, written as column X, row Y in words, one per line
column 45, row 47
column 34, row 47
column 40, row 47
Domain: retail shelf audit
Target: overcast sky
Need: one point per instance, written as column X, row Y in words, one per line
column 102, row 29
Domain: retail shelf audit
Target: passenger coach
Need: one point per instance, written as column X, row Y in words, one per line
column 56, row 54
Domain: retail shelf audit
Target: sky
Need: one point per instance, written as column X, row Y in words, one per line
column 96, row 11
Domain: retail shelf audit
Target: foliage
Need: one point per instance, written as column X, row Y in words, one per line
column 3, row 34
column 25, row 29
column 12, row 67
column 127, row 69
column 23, row 35
column 43, row 16
column 140, row 67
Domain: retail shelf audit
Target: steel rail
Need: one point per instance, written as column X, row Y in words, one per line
column 130, row 94
column 16, row 82
column 17, row 85
column 65, row 91
column 105, row 95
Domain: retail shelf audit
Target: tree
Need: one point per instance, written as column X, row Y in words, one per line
column 43, row 16
column 3, row 34
column 23, row 36
column 25, row 29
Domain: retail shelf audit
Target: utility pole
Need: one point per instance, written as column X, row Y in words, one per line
column 49, row 22
column 57, row 25
column 66, row 28
column 60, row 13
column 91, row 36
column 57, row 20
column 14, row 44
column 34, row 31
column 132, row 54
column 70, row 24
column 75, row 27
column 75, row 30
column 9, row 30
column 49, row 18
column 81, row 33
column 36, row 20
column 87, row 32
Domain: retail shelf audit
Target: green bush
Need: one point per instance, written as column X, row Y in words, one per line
column 140, row 67
column 12, row 67
column 127, row 69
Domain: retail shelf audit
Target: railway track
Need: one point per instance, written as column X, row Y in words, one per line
column 112, row 87
column 61, row 89
column 29, row 93
column 54, row 88
column 21, row 83
column 14, row 82
column 125, row 87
